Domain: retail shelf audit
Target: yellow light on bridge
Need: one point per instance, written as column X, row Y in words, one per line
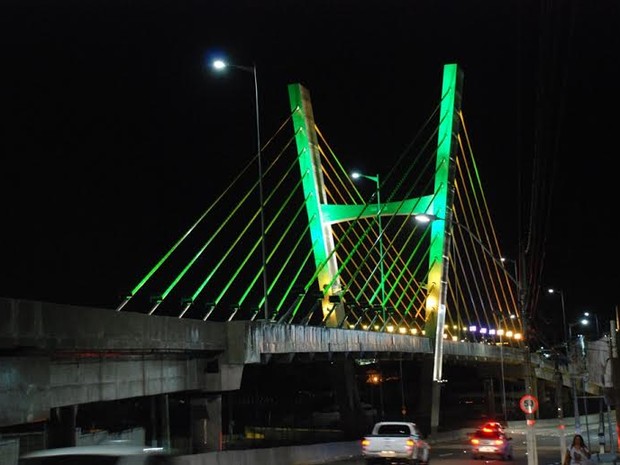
column 402, row 330
column 390, row 329
column 414, row 330
column 518, row 336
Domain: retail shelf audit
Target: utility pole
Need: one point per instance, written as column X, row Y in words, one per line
column 559, row 401
column 532, row 453
column 615, row 374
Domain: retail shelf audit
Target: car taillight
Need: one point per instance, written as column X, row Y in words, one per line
column 365, row 442
column 475, row 441
column 410, row 442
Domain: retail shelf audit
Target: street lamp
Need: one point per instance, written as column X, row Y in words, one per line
column 356, row 175
column 564, row 327
column 588, row 315
column 219, row 65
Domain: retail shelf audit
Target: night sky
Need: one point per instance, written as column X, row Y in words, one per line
column 115, row 135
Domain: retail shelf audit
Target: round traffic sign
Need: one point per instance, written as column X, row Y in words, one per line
column 528, row 403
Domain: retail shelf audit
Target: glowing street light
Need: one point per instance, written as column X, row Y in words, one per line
column 220, row 65
column 356, row 175
column 588, row 315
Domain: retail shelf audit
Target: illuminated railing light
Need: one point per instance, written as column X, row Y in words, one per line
column 445, row 335
column 500, row 332
column 454, row 338
column 414, row 330
column 364, row 326
column 472, row 329
column 424, row 332
column 402, row 330
column 491, row 332
column 483, row 330
column 518, row 336
column 390, row 329
column 509, row 333
column 376, row 327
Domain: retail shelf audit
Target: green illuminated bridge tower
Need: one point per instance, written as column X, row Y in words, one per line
column 322, row 215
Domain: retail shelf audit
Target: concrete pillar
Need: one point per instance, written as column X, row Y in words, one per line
column 61, row 427
column 206, row 423
column 158, row 429
column 353, row 422
column 214, row 427
column 164, row 422
column 151, row 430
column 489, row 393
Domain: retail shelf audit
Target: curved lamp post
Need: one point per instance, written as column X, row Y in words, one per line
column 220, row 65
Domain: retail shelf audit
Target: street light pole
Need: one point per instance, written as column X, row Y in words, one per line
column 501, row 356
column 560, row 381
column 574, row 386
column 357, row 175
column 220, row 65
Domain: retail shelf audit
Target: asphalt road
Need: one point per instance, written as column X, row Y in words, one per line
column 457, row 452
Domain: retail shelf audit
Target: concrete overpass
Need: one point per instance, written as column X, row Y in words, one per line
column 58, row 356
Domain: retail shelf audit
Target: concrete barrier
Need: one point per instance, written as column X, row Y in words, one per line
column 293, row 455
column 297, row 455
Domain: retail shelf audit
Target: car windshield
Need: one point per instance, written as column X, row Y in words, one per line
column 394, row 430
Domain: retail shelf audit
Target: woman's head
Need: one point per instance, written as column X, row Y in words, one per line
column 578, row 440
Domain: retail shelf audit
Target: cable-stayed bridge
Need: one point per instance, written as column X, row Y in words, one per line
column 326, row 255
column 317, row 267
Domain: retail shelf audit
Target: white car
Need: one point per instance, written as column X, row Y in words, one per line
column 107, row 454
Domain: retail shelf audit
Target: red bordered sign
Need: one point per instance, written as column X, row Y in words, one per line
column 528, row 403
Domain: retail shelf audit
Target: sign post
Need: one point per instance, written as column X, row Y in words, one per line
column 529, row 404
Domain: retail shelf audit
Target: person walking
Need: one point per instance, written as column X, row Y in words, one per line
column 578, row 453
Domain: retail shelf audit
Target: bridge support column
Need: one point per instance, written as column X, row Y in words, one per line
column 206, row 423
column 61, row 427
column 353, row 421
column 436, row 402
column 429, row 395
column 158, row 431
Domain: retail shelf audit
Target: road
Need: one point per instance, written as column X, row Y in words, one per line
column 457, row 452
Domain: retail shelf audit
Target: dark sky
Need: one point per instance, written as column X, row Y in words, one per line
column 115, row 135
